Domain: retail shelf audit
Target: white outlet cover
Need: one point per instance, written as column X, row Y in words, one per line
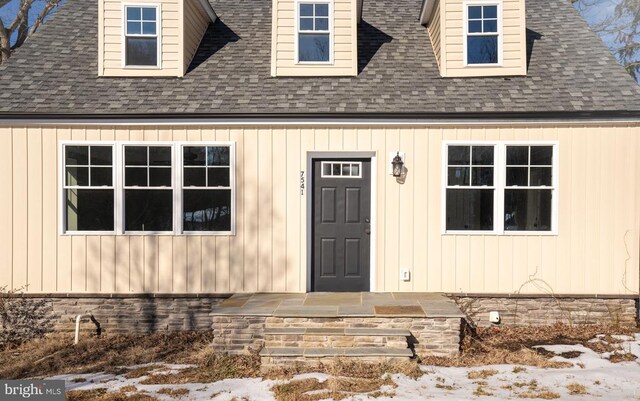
column 405, row 275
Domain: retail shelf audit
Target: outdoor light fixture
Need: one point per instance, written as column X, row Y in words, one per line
column 397, row 164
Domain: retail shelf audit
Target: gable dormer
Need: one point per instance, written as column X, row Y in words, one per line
column 150, row 38
column 475, row 38
column 315, row 37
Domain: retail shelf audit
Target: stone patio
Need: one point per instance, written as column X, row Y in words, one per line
column 315, row 327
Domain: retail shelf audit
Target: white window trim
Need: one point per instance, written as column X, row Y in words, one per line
column 158, row 36
column 298, row 31
column 499, row 177
column 62, row 210
column 232, row 186
column 118, row 181
column 121, row 188
column 465, row 21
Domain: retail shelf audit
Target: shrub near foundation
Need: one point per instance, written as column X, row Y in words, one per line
column 22, row 319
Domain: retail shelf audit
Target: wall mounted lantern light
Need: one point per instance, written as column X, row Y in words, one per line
column 397, row 165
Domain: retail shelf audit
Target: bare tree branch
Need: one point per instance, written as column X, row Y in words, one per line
column 21, row 25
column 621, row 29
column 21, row 14
column 45, row 11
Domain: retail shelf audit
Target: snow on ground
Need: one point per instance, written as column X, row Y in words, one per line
column 592, row 377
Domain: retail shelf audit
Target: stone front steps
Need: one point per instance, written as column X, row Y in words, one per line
column 321, row 337
column 273, row 357
column 284, row 345
column 321, row 327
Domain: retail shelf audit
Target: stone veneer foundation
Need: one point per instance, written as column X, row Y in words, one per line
column 525, row 310
column 135, row 314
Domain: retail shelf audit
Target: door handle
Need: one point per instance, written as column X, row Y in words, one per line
column 367, row 230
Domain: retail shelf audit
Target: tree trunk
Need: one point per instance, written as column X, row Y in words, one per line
column 5, row 44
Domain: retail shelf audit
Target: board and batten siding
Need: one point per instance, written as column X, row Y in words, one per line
column 513, row 40
column 111, row 36
column 435, row 31
column 595, row 252
column 344, row 44
column 196, row 22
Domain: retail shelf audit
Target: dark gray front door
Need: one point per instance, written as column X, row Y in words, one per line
column 341, row 224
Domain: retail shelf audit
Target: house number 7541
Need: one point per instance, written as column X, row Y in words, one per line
column 302, row 183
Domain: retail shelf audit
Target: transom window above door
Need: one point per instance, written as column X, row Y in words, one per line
column 314, row 32
column 500, row 188
column 141, row 36
column 148, row 188
column 342, row 169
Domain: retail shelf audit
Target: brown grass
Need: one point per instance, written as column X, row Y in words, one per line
column 175, row 393
column 481, row 374
column 480, row 391
column 514, row 345
column 622, row 357
column 345, row 368
column 142, row 371
column 544, row 394
column 103, row 395
column 336, row 388
column 297, row 389
column 570, row 354
column 211, row 367
column 57, row 355
column 577, row 389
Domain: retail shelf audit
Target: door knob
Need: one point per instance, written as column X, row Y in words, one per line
column 366, row 220
column 367, row 230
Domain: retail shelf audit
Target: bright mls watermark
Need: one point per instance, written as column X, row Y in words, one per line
column 44, row 390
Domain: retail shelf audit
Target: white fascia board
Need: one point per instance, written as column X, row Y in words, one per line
column 206, row 7
column 427, row 10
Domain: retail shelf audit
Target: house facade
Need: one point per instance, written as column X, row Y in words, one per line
column 182, row 149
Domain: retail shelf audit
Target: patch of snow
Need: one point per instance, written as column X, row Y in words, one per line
column 320, row 377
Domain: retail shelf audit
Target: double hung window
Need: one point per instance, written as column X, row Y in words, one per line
column 502, row 187
column 88, row 188
column 314, row 35
column 148, row 193
column 206, row 188
column 482, row 34
column 141, row 37
column 149, row 188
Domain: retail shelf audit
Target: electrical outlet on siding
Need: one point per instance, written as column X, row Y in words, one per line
column 405, row 275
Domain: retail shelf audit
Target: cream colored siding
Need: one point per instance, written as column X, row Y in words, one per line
column 196, row 22
column 513, row 40
column 434, row 29
column 110, row 37
column 344, row 43
column 596, row 250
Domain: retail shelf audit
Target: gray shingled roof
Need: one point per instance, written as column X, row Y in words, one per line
column 570, row 70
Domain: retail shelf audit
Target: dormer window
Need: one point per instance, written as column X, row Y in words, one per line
column 482, row 34
column 142, row 43
column 314, row 32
